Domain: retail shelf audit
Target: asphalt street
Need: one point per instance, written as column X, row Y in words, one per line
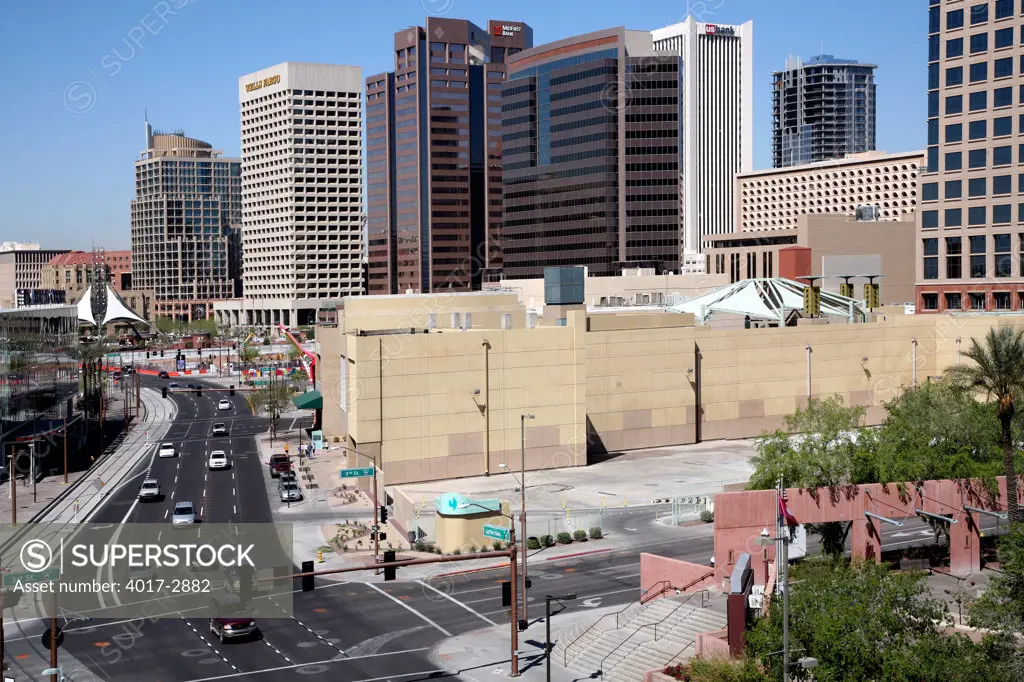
column 358, row 632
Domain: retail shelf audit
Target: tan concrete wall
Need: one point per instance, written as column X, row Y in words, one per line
column 531, row 291
column 465, row 532
column 414, row 311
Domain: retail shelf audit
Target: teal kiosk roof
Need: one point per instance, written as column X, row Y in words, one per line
column 454, row 504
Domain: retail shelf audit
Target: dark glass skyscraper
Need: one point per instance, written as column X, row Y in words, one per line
column 591, row 156
column 434, row 157
column 822, row 109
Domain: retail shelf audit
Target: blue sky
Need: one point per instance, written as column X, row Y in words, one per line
column 80, row 74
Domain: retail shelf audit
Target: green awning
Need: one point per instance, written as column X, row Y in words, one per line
column 310, row 400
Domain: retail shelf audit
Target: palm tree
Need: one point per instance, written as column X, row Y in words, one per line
column 998, row 371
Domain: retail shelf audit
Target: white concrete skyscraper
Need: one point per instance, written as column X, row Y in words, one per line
column 717, row 125
column 302, row 191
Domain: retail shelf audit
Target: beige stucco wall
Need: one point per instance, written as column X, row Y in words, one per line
column 629, row 382
column 465, row 532
column 415, row 310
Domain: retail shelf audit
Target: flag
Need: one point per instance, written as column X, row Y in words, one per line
column 785, row 518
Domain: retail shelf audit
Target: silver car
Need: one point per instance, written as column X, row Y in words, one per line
column 184, row 514
column 150, row 490
column 290, row 491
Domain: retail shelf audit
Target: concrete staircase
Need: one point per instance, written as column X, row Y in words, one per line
column 625, row 647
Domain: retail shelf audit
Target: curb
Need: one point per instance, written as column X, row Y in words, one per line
column 504, row 565
column 575, row 554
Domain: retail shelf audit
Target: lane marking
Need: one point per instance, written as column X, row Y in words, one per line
column 166, row 512
column 327, row 661
column 277, row 651
column 456, row 601
column 410, row 609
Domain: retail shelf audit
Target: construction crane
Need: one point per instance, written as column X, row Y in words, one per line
column 311, row 365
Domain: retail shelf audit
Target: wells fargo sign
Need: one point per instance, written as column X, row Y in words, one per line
column 265, row 83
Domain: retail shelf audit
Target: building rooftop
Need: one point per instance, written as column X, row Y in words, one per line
column 876, row 156
column 85, row 257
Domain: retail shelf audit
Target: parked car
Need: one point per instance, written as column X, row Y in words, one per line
column 184, row 514
column 164, row 375
column 219, row 460
column 167, row 450
column 287, row 477
column 150, row 490
column 232, row 628
column 220, row 429
column 224, row 404
column 279, row 464
column 173, row 384
column 290, row 492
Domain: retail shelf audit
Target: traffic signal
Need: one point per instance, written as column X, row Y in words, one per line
column 199, row 352
column 389, row 571
column 307, row 580
column 47, row 635
column 147, row 355
column 163, row 391
column 846, row 289
column 812, row 301
column 506, row 593
column 383, row 514
column 232, row 389
column 161, row 352
column 871, row 295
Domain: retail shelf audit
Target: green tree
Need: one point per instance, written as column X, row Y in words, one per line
column 1001, row 605
column 271, row 400
column 725, row 670
column 866, row 622
column 248, row 354
column 996, row 369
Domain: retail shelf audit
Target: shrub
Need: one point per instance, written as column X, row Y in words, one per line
column 497, row 545
column 532, row 543
column 678, row 671
column 337, row 440
column 564, row 538
column 595, row 533
column 435, row 549
column 579, row 535
column 420, row 546
column 547, row 541
column 472, row 549
column 707, row 516
column 457, row 551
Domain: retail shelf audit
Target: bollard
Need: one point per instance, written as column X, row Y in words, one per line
column 319, row 556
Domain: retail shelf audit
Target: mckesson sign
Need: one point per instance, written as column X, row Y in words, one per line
column 716, row 30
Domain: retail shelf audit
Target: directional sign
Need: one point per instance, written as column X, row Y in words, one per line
column 356, row 473
column 12, row 579
column 496, row 532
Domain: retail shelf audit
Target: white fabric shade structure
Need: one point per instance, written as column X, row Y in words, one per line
column 116, row 310
column 766, row 299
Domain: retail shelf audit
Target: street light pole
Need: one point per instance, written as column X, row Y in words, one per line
column 522, row 503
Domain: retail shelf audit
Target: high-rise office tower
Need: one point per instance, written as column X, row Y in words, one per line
column 970, row 246
column 591, row 156
column 434, row 157
column 717, row 125
column 185, row 222
column 822, row 109
column 302, row 202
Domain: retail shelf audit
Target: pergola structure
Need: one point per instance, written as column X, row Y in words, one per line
column 101, row 307
column 772, row 299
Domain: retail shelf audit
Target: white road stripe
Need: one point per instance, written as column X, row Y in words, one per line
column 409, row 608
column 456, row 601
column 326, row 661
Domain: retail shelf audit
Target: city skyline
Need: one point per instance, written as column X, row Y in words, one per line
column 97, row 102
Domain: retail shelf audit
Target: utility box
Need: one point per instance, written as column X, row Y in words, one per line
column 564, row 286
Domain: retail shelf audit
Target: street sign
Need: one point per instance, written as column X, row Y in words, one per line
column 12, row 579
column 496, row 532
column 356, row 473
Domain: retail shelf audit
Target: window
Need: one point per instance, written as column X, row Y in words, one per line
column 955, row 188
column 1004, row 8
column 977, row 158
column 954, row 104
column 1002, row 156
column 977, row 256
column 930, row 301
column 933, row 131
column 1002, row 97
column 976, row 187
column 954, row 217
column 954, row 161
column 933, row 103
column 979, row 14
column 1002, row 126
column 1001, row 243
column 954, row 48
column 976, row 217
column 1020, row 184
column 929, row 220
column 977, row 130
column 978, row 101
column 1003, row 38
column 1001, row 214
column 954, row 257
column 1001, row 299
column 930, row 249
column 979, row 72
column 1002, row 67
column 1002, row 184
column 977, row 301
column 954, row 19
column 930, row 191
column 932, row 160
column 953, row 301
column 954, row 76
column 979, row 43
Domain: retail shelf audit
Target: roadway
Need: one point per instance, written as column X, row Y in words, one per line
column 356, row 631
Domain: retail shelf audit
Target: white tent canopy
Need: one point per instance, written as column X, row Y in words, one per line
column 766, row 299
column 116, row 309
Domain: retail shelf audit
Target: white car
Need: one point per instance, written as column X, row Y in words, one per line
column 150, row 490
column 219, row 460
column 224, row 404
column 167, row 450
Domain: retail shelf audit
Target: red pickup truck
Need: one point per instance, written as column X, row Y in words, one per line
column 279, row 464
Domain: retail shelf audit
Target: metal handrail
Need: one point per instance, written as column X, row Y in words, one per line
column 705, row 595
column 666, row 586
column 565, row 650
column 678, row 654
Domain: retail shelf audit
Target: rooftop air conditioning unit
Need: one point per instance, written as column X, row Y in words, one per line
column 867, row 213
